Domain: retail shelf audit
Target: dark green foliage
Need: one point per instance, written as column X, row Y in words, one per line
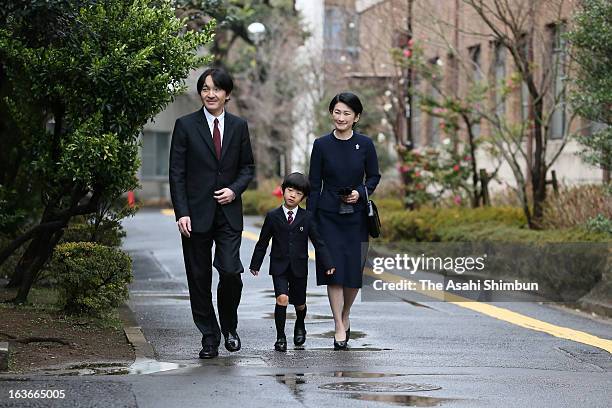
column 78, row 80
column 592, row 44
column 93, row 279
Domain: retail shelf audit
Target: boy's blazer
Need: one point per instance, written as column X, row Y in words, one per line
column 290, row 243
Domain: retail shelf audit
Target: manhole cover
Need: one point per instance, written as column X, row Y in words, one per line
column 378, row 387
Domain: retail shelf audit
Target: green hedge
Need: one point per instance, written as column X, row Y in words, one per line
column 502, row 224
column 109, row 233
column 429, row 224
column 92, row 279
column 255, row 202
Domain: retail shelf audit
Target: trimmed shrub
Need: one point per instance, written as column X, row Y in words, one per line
column 109, row 233
column 428, row 224
column 388, row 204
column 498, row 232
column 257, row 202
column 93, row 279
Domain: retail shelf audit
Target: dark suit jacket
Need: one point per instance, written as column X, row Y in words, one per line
column 290, row 243
column 328, row 174
column 195, row 173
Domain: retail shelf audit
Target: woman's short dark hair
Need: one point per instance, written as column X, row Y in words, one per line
column 349, row 99
column 220, row 78
column 297, row 181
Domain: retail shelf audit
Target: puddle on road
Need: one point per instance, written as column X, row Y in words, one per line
column 328, row 335
column 365, row 391
column 165, row 295
column 404, row 400
column 335, row 374
column 350, row 348
column 291, row 315
column 153, row 366
column 270, row 293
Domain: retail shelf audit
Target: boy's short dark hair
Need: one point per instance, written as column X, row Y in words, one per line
column 220, row 78
column 296, row 181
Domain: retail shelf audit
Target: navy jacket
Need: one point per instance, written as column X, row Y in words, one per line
column 195, row 172
column 335, row 164
column 290, row 243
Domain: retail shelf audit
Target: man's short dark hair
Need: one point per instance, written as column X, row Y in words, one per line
column 220, row 78
column 297, row 181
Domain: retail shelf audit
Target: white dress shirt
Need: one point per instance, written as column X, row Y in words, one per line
column 286, row 211
column 211, row 122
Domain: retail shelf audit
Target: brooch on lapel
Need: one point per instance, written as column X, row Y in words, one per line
column 301, row 229
column 356, row 147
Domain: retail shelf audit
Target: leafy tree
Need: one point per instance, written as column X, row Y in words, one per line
column 79, row 80
column 592, row 99
column 267, row 75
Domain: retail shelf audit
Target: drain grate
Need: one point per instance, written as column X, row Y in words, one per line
column 378, row 387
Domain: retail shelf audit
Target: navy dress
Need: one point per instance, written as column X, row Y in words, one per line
column 336, row 164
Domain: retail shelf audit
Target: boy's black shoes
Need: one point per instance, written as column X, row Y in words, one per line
column 281, row 344
column 209, row 351
column 232, row 342
column 299, row 336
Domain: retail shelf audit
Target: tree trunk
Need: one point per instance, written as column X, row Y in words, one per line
column 38, row 253
column 538, row 171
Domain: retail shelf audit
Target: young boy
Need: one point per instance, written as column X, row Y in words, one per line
column 290, row 226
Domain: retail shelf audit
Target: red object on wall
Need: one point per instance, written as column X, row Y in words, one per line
column 131, row 199
column 278, row 192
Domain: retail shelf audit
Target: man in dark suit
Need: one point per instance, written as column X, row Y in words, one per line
column 289, row 226
column 211, row 165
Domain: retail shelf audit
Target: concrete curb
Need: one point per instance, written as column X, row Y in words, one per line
column 594, row 306
column 142, row 348
column 599, row 298
column 4, row 355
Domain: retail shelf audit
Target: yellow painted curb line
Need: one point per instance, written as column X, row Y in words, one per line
column 506, row 315
column 484, row 308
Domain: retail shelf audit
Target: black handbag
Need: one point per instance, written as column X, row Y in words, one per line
column 373, row 218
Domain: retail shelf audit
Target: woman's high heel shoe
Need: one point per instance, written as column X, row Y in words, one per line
column 339, row 345
column 348, row 334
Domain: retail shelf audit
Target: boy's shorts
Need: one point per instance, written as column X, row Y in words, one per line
column 292, row 286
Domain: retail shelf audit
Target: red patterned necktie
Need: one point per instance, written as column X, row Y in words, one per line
column 289, row 217
column 217, row 139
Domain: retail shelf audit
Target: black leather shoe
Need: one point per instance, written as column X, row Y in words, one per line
column 339, row 345
column 281, row 344
column 299, row 336
column 232, row 342
column 348, row 334
column 209, row 352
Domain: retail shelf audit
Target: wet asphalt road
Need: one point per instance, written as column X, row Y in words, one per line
column 401, row 354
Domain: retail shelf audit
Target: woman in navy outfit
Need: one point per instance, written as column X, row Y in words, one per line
column 343, row 164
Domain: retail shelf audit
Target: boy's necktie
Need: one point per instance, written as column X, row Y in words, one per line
column 289, row 217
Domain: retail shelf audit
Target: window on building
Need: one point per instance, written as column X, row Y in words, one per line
column 155, row 151
column 525, row 96
column 333, row 30
column 499, row 75
column 340, row 33
column 557, row 61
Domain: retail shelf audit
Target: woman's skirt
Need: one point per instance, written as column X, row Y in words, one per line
column 346, row 237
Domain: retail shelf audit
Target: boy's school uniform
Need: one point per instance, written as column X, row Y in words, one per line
column 289, row 254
